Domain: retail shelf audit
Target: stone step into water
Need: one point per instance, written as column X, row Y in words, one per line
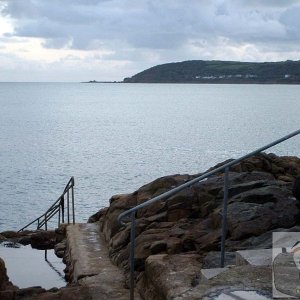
column 89, row 264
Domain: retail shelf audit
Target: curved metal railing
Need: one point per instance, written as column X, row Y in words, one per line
column 58, row 207
column 165, row 196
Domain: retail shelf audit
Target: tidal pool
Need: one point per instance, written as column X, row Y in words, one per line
column 27, row 267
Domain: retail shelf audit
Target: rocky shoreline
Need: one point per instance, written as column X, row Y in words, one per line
column 181, row 236
column 261, row 201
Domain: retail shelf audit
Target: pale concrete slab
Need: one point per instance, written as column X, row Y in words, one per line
column 86, row 249
column 242, row 295
column 207, row 274
column 90, row 264
column 257, row 257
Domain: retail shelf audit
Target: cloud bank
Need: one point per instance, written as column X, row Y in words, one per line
column 135, row 34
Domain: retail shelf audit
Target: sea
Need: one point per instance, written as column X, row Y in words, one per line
column 115, row 137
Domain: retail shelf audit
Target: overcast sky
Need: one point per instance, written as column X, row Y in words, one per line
column 78, row 40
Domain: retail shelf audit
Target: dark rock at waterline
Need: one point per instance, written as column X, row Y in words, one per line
column 3, row 275
column 2, row 238
column 43, row 240
column 16, row 234
column 39, row 239
column 60, row 249
column 30, row 292
column 296, row 188
column 7, row 290
column 61, row 231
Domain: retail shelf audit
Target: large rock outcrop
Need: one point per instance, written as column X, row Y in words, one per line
column 260, row 201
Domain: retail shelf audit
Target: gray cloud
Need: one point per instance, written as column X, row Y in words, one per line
column 291, row 20
column 147, row 32
column 149, row 24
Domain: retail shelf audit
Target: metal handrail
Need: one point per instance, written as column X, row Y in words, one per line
column 57, row 207
column 168, row 194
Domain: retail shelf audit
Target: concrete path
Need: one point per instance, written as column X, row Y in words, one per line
column 90, row 266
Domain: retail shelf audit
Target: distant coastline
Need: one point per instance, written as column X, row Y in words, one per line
column 221, row 72
column 218, row 72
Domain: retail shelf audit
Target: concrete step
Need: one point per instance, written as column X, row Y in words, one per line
column 257, row 257
column 207, row 274
column 89, row 264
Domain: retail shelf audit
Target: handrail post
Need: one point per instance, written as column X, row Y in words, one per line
column 132, row 246
column 46, row 228
column 224, row 217
column 62, row 209
column 73, row 207
column 59, row 215
column 68, row 206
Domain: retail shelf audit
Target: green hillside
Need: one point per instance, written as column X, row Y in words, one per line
column 200, row 71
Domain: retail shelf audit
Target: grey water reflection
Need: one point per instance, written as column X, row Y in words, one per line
column 27, row 267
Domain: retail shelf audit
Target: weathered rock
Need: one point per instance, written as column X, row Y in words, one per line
column 9, row 234
column 2, row 238
column 263, row 241
column 213, row 259
column 296, row 188
column 7, row 290
column 24, row 240
column 3, row 275
column 257, row 280
column 43, row 240
column 109, row 220
column 60, row 249
column 254, row 196
column 39, row 239
column 30, row 292
column 260, row 202
column 277, row 165
column 66, row 293
column 254, row 212
column 96, row 217
column 169, row 275
column 62, row 229
column 158, row 247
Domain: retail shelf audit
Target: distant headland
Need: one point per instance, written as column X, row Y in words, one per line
column 201, row 71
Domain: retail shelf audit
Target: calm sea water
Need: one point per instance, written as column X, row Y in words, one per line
column 113, row 138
